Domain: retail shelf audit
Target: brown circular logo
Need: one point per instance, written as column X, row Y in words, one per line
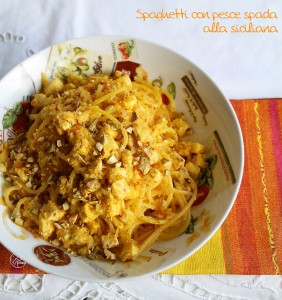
column 51, row 255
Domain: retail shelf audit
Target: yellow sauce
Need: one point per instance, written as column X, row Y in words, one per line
column 205, row 218
column 22, row 236
column 2, row 201
column 192, row 238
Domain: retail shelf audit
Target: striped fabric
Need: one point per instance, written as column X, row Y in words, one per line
column 250, row 240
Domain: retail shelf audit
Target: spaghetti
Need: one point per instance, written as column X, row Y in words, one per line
column 105, row 168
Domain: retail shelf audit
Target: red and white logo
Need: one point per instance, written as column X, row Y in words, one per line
column 16, row 262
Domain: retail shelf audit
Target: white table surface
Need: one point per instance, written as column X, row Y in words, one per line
column 244, row 65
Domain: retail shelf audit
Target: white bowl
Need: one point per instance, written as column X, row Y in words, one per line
column 209, row 113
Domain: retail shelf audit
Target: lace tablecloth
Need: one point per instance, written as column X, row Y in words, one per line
column 245, row 65
column 221, row 287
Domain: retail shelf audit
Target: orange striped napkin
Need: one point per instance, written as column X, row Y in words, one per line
column 249, row 241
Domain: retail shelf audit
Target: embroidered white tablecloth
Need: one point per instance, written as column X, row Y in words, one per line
column 245, row 65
